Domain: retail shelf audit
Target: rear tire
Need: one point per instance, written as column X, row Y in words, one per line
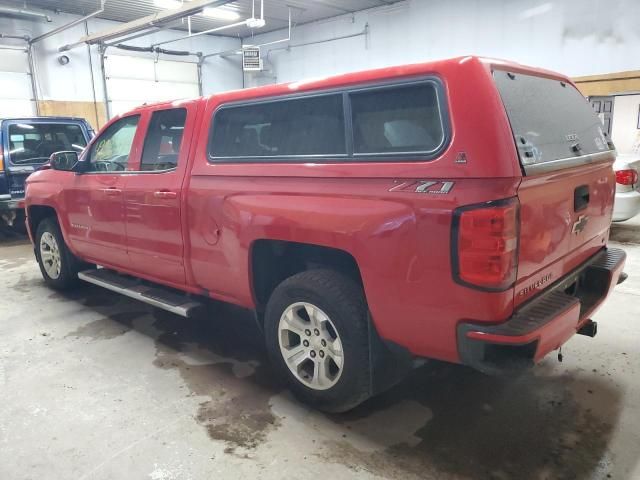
column 59, row 267
column 317, row 335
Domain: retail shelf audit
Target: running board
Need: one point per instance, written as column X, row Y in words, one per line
column 158, row 296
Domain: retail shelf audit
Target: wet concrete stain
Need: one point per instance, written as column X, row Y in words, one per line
column 624, row 233
column 91, row 296
column 109, row 327
column 527, row 428
column 10, row 263
column 27, row 283
column 222, row 359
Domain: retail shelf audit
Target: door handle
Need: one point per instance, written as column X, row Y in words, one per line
column 165, row 194
column 112, row 191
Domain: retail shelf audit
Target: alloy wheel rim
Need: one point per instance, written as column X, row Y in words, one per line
column 50, row 255
column 310, row 346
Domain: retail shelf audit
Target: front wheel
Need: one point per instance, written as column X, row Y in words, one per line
column 58, row 265
column 316, row 328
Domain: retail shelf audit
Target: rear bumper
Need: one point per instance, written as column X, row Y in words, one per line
column 544, row 323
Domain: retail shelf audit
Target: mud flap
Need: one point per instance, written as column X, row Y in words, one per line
column 390, row 363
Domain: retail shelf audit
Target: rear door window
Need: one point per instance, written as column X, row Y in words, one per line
column 286, row 128
column 164, row 138
column 400, row 119
column 550, row 119
column 35, row 142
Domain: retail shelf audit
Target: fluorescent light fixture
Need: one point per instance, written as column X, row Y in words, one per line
column 220, row 14
column 25, row 126
column 536, row 11
column 168, row 4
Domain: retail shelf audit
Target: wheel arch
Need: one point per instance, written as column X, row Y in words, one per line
column 272, row 261
column 36, row 214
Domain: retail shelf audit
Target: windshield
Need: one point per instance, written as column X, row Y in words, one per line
column 550, row 119
column 35, row 142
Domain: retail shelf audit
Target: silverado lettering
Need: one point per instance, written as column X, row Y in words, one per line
column 534, row 286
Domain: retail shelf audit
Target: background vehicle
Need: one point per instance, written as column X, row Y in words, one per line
column 26, row 144
column 446, row 210
column 627, row 203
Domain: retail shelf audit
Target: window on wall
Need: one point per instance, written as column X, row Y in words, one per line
column 164, row 138
column 402, row 119
column 285, row 128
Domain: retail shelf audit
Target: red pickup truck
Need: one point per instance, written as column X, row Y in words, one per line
column 457, row 210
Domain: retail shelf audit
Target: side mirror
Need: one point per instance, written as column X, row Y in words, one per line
column 65, row 161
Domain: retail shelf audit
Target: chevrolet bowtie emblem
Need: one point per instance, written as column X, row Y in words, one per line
column 580, row 224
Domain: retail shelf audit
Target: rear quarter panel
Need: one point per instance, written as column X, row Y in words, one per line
column 400, row 239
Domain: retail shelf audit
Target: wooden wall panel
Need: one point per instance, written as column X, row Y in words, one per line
column 609, row 84
column 97, row 117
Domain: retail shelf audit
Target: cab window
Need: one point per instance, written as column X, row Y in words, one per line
column 297, row 127
column 111, row 151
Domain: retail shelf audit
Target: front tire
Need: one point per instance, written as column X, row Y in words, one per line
column 316, row 329
column 59, row 267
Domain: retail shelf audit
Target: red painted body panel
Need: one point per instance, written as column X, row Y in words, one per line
column 201, row 241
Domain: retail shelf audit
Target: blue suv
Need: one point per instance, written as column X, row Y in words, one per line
column 26, row 144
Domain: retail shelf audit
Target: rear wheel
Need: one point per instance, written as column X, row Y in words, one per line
column 316, row 328
column 59, row 267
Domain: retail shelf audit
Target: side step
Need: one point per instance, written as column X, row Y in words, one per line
column 158, row 296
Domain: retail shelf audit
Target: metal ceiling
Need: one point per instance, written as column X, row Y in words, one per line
column 276, row 11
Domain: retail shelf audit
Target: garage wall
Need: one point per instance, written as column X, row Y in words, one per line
column 625, row 131
column 577, row 37
column 69, row 87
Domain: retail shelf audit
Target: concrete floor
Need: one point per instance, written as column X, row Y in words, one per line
column 96, row 386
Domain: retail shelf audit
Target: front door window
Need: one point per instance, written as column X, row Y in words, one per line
column 112, row 150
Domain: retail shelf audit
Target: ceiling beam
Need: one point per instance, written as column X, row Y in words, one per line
column 146, row 23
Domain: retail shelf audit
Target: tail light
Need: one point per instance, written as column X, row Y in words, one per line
column 627, row 177
column 485, row 244
column 1, row 160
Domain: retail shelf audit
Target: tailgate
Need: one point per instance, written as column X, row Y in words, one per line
column 567, row 191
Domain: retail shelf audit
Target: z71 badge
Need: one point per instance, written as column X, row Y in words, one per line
column 435, row 187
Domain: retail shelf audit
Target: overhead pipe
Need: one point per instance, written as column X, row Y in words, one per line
column 281, row 40
column 21, row 12
column 204, row 32
column 25, row 38
column 146, row 23
column 133, row 48
column 93, row 80
column 364, row 31
column 13, row 47
column 32, row 71
column 71, row 24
